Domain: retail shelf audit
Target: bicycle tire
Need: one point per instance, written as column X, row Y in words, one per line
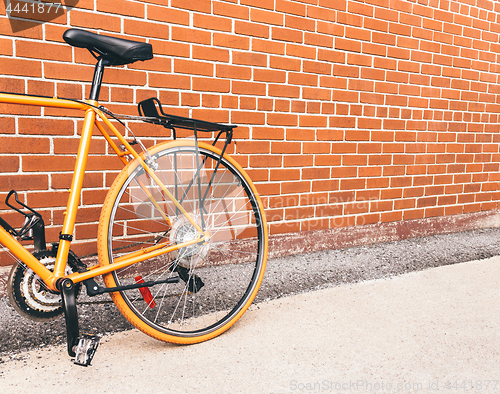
column 220, row 279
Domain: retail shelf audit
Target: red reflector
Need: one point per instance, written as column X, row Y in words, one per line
column 146, row 294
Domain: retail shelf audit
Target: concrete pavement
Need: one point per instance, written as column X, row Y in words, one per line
column 436, row 330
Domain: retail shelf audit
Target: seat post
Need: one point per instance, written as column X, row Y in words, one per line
column 96, row 82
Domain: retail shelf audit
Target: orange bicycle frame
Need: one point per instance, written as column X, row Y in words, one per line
column 91, row 118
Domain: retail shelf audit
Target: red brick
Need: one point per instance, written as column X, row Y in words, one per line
column 146, row 29
column 251, row 29
column 315, row 67
column 192, row 67
column 191, row 35
column 352, row 184
column 298, row 160
column 39, row 50
column 321, row 13
column 357, row 34
column 229, row 102
column 211, row 115
column 212, row 22
column 249, row 88
column 253, row 147
column 289, row 35
column 125, row 77
column 298, row 106
column 250, row 59
column 299, row 23
column 204, row 6
column 314, row 147
column 283, row 63
column 21, row 28
column 231, row 10
column 45, row 126
column 190, row 99
column 170, row 81
column 24, row 145
column 74, row 91
column 269, row 76
column 349, row 19
column 231, row 41
column 209, row 53
column 170, row 48
column 167, row 14
column 290, row 7
column 156, row 64
column 70, row 146
column 233, row 72
column 333, row 82
column 24, row 182
column 9, row 164
column 299, row 213
column 30, row 68
column 241, row 117
column 68, row 71
column 267, row 46
column 266, row 161
column 331, row 56
column 47, row 163
column 316, row 94
column 277, row 119
column 266, row 4
column 122, row 7
column 6, row 47
column 340, row 5
column 283, row 91
column 271, row 18
column 286, row 147
column 267, row 133
column 284, row 175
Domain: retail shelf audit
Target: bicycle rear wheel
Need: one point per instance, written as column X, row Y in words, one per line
column 219, row 278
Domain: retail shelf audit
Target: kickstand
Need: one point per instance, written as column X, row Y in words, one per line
column 81, row 348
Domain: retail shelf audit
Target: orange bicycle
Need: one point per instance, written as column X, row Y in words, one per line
column 182, row 236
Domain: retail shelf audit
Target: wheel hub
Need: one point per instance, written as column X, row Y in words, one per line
column 184, row 231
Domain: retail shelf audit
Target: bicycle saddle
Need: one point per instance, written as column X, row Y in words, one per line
column 117, row 51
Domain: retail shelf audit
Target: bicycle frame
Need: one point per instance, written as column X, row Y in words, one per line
column 92, row 115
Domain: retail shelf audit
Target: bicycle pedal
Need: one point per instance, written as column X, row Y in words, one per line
column 85, row 349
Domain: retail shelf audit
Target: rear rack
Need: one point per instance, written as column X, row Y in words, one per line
column 150, row 107
column 149, row 110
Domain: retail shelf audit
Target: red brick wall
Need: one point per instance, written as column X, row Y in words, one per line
column 351, row 112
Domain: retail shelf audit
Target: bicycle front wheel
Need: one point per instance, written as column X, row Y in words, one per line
column 219, row 277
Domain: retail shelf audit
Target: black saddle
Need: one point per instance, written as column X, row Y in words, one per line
column 117, row 51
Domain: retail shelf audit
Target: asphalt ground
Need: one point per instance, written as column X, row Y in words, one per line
column 284, row 276
column 358, row 317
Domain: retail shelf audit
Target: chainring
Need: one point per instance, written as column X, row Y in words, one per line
column 29, row 295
